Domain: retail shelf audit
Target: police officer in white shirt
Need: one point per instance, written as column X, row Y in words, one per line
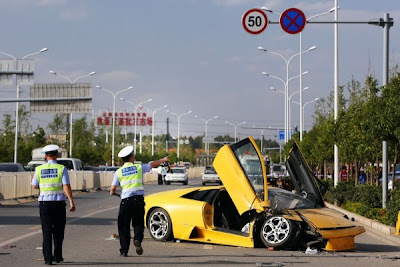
column 53, row 182
column 130, row 178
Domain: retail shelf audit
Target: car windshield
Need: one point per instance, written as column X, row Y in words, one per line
column 210, row 170
column 283, row 199
column 249, row 160
column 178, row 170
column 277, row 168
column 67, row 163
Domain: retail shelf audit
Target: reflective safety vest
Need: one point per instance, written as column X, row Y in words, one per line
column 130, row 177
column 50, row 178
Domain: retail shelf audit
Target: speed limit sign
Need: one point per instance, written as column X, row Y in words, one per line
column 254, row 21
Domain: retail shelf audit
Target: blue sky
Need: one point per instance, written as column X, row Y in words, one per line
column 193, row 55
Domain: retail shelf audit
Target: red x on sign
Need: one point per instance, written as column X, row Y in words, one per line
column 293, row 20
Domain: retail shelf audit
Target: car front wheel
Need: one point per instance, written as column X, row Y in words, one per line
column 277, row 232
column 160, row 225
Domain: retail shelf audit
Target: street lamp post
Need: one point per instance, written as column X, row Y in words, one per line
column 136, row 106
column 287, row 61
column 285, row 85
column 206, row 144
column 235, row 126
column 290, row 98
column 302, row 107
column 152, row 129
column 262, row 139
column 179, row 123
column 17, row 103
column 70, row 115
column 113, row 121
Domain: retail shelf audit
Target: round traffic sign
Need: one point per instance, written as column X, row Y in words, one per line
column 254, row 21
column 293, row 20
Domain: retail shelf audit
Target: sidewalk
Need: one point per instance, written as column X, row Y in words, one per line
column 381, row 230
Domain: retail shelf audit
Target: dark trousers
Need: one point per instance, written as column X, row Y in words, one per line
column 53, row 219
column 131, row 211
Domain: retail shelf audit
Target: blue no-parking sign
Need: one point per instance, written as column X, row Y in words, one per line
column 293, row 20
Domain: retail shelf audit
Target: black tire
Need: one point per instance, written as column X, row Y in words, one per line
column 160, row 225
column 185, row 183
column 167, row 183
column 204, row 183
column 278, row 232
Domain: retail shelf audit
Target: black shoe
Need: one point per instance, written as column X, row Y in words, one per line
column 124, row 254
column 58, row 260
column 48, row 263
column 138, row 245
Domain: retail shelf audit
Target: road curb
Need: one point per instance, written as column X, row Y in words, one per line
column 373, row 224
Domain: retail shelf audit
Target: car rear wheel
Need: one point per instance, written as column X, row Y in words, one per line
column 160, row 225
column 277, row 232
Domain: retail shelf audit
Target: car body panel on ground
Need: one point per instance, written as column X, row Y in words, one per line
column 245, row 212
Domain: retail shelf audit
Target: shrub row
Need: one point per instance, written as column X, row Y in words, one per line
column 365, row 200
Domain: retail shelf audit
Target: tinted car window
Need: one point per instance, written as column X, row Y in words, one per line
column 249, row 160
column 283, row 199
column 178, row 170
column 210, row 170
column 67, row 163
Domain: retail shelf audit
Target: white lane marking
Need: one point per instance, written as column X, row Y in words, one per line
column 39, row 231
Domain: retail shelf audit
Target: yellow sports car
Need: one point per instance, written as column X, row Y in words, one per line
column 246, row 212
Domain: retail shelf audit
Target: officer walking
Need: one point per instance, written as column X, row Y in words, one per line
column 130, row 178
column 53, row 181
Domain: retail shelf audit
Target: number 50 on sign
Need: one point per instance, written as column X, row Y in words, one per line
column 254, row 21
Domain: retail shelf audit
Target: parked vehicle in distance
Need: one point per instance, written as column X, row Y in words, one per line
column 31, row 166
column 390, row 175
column 11, row 167
column 72, row 164
column 176, row 174
column 210, row 175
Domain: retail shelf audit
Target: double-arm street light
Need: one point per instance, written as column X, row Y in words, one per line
column 287, row 61
column 153, row 117
column 113, row 120
column 235, row 127
column 290, row 100
column 206, row 144
column 136, row 119
column 285, row 85
column 17, row 103
column 179, row 124
column 302, row 107
column 70, row 115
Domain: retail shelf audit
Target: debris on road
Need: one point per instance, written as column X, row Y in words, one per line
column 9, row 246
column 113, row 237
column 311, row 251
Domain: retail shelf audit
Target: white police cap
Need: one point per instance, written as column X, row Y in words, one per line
column 50, row 148
column 126, row 151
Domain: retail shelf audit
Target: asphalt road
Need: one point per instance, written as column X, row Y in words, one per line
column 89, row 241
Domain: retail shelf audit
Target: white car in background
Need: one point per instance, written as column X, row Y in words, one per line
column 178, row 175
column 210, row 176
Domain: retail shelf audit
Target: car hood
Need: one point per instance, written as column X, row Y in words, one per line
column 306, row 184
column 243, row 181
column 325, row 219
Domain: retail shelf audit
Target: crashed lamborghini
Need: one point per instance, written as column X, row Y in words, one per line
column 246, row 212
